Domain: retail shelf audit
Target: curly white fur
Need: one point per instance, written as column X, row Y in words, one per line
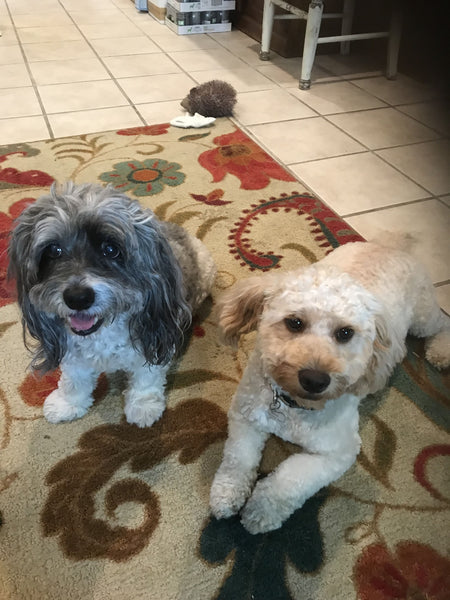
column 104, row 286
column 327, row 336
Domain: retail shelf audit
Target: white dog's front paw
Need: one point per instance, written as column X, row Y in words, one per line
column 438, row 350
column 264, row 511
column 227, row 496
column 57, row 409
column 144, row 409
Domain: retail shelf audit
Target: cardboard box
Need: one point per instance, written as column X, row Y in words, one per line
column 157, row 9
column 188, row 29
column 203, row 5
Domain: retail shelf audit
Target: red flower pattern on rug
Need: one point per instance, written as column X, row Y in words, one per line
column 146, row 130
column 7, row 294
column 238, row 155
column 211, row 199
column 329, row 230
column 413, row 571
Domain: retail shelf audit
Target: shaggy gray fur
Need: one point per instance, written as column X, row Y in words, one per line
column 100, row 241
column 211, row 99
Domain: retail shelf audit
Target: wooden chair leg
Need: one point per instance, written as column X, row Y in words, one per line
column 347, row 22
column 267, row 26
column 309, row 49
column 395, row 32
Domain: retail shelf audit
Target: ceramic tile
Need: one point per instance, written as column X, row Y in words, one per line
column 25, row 7
column 23, row 129
column 42, row 19
column 428, row 221
column 171, row 42
column 433, row 114
column 268, row 106
column 286, row 71
column 160, row 112
column 243, row 79
column 382, row 127
column 68, row 97
column 32, row 35
column 337, row 97
column 92, row 121
column 304, row 139
column 77, row 5
column 443, row 296
column 11, row 55
column 350, row 66
column 14, row 76
column 68, row 71
column 198, row 60
column 108, row 30
column 240, row 45
column 156, row 88
column 143, row 64
column 18, row 102
column 128, row 46
column 58, row 50
column 398, row 91
column 111, row 15
column 359, row 182
column 233, row 39
column 152, row 28
column 427, row 164
column 8, row 36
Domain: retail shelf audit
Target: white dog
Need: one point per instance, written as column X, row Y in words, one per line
column 327, row 336
column 104, row 286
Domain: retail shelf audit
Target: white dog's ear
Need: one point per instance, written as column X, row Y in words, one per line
column 380, row 364
column 240, row 308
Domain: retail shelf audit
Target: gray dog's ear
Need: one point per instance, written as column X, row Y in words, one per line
column 157, row 330
column 240, row 308
column 48, row 331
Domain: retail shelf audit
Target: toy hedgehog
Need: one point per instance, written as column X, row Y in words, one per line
column 211, row 99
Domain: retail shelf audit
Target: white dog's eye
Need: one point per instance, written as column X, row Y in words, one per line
column 110, row 250
column 344, row 334
column 294, row 324
column 53, row 251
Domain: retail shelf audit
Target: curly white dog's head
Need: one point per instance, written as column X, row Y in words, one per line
column 85, row 254
column 320, row 333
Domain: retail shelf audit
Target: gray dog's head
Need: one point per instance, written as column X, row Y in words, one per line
column 82, row 256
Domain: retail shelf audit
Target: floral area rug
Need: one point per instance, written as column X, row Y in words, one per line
column 99, row 509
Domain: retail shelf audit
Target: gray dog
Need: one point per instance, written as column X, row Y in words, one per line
column 104, row 286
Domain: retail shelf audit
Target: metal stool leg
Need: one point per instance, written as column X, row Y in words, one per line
column 309, row 49
column 267, row 26
column 395, row 32
column 347, row 22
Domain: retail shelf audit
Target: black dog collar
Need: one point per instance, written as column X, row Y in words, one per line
column 278, row 396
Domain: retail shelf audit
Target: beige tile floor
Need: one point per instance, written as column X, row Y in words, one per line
column 375, row 151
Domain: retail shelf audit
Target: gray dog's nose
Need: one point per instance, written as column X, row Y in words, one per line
column 313, row 381
column 78, row 297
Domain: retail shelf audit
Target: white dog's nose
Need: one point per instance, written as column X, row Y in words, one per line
column 79, row 297
column 313, row 381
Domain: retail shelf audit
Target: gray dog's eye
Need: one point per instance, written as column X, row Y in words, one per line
column 53, row 251
column 344, row 334
column 294, row 324
column 110, row 250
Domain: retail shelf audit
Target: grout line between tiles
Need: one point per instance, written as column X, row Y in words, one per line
column 31, row 76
